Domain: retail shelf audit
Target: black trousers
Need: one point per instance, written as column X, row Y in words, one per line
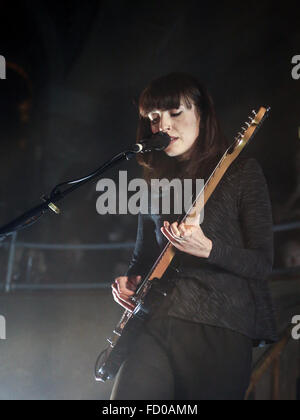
column 175, row 359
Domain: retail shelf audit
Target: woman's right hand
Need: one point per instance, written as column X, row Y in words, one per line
column 123, row 289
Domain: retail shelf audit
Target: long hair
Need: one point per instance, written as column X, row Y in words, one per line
column 166, row 93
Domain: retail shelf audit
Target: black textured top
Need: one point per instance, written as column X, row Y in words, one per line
column 229, row 288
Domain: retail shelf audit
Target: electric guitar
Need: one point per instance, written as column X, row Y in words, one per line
column 157, row 285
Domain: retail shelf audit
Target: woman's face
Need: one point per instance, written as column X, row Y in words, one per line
column 182, row 125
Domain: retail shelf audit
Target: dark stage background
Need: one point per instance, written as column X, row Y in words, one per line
column 74, row 71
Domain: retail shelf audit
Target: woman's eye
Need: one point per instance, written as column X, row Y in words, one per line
column 176, row 114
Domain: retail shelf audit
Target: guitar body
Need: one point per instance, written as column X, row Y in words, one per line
column 111, row 359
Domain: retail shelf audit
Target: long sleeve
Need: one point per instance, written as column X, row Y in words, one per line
column 146, row 247
column 255, row 260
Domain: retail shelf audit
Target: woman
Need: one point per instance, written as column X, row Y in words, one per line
column 198, row 345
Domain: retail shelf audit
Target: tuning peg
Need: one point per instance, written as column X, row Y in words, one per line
column 248, row 125
column 254, row 112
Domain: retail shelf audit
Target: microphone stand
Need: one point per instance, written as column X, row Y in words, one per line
column 49, row 202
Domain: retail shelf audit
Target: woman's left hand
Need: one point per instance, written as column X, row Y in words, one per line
column 188, row 238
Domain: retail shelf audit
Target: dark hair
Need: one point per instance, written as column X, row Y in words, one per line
column 166, row 93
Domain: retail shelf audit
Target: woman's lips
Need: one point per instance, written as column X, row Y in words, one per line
column 173, row 139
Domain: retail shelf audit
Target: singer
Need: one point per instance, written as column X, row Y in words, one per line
column 198, row 345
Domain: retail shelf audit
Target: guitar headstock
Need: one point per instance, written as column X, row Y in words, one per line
column 252, row 125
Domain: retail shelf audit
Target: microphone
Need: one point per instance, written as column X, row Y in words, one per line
column 158, row 142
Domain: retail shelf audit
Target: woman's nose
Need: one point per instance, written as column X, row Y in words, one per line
column 165, row 123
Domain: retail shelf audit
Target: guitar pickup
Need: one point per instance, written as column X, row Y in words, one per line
column 111, row 342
